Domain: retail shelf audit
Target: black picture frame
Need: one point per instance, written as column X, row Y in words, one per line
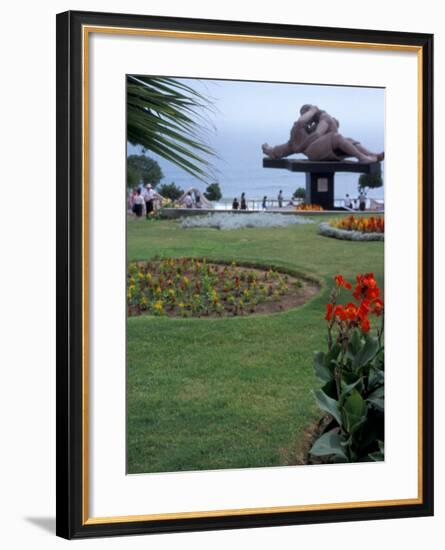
column 70, row 248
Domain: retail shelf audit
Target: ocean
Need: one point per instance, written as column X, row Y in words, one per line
column 238, row 167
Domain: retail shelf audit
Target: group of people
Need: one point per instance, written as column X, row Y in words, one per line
column 242, row 204
column 349, row 202
column 192, row 200
column 142, row 200
column 361, row 201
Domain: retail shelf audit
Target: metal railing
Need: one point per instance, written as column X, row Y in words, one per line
column 289, row 203
column 257, row 204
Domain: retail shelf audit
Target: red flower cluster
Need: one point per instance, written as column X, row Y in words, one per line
column 368, row 301
column 308, row 207
column 339, row 281
column 372, row 224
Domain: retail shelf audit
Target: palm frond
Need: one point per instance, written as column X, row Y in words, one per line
column 169, row 118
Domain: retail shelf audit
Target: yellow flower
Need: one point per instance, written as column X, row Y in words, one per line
column 158, row 305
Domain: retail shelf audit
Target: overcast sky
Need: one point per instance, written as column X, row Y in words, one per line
column 247, row 114
column 275, row 106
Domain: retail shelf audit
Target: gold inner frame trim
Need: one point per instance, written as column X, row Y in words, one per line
column 87, row 30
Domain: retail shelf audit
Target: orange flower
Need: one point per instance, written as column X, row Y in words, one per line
column 368, row 301
column 377, row 307
column 366, row 287
column 340, row 313
column 372, row 293
column 339, row 281
column 365, row 324
column 364, row 308
column 357, row 292
column 365, row 225
column 351, row 311
column 369, row 281
column 329, row 310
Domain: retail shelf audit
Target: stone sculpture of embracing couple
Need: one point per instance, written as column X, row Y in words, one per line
column 315, row 134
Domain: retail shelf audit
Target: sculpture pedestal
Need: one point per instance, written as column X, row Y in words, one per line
column 320, row 189
column 320, row 176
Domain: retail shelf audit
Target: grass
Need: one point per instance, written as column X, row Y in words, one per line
column 208, row 394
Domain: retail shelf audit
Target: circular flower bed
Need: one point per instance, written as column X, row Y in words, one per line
column 190, row 287
column 364, row 224
column 353, row 228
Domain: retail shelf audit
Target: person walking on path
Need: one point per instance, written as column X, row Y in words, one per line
column 235, row 204
column 243, row 201
column 280, row 199
column 264, row 205
column 362, row 201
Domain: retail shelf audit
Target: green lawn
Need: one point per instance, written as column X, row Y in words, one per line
column 231, row 392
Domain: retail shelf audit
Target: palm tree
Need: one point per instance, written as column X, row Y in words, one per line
column 167, row 117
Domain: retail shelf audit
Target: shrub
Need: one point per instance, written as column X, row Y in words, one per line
column 353, row 374
column 370, row 181
column 299, row 193
column 213, row 192
column 170, row 191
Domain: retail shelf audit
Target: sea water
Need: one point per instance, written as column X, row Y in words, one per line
column 238, row 166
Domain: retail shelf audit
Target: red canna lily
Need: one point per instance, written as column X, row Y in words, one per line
column 368, row 301
column 351, row 311
column 329, row 311
column 339, row 281
column 364, row 308
column 340, row 312
column 377, row 306
column 365, row 325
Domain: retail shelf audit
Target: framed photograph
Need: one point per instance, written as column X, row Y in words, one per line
column 244, row 274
